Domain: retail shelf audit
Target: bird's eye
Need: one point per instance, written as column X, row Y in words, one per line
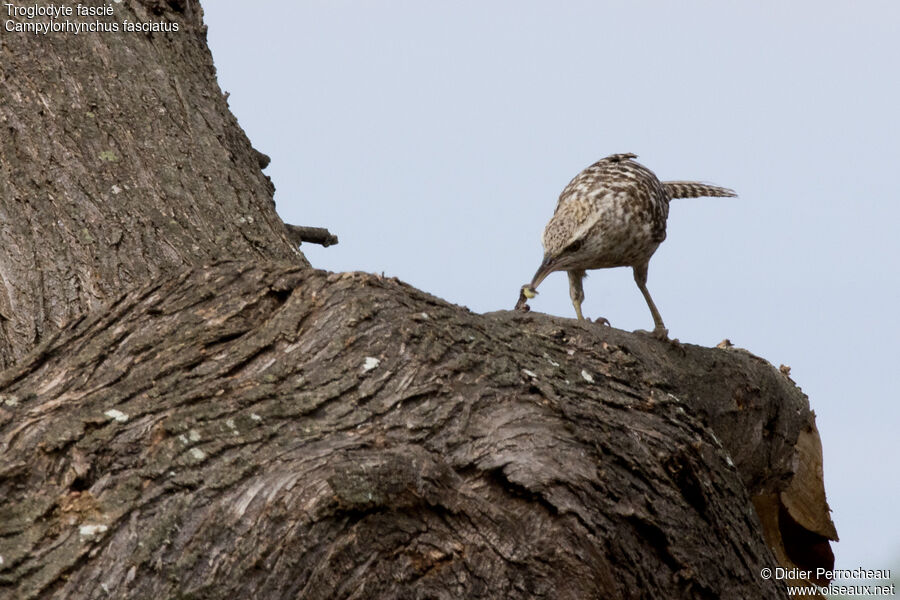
column 575, row 246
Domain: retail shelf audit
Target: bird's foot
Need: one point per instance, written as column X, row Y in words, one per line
column 660, row 333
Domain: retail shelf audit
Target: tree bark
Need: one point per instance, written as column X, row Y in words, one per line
column 190, row 411
column 119, row 162
column 268, row 431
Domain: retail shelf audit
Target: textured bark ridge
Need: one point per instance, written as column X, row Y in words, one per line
column 119, row 161
column 188, row 410
column 270, row 431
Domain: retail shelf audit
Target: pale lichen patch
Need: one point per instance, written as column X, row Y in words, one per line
column 197, row 454
column 290, row 348
column 91, row 531
column 116, row 415
column 370, row 363
column 194, row 435
column 587, row 376
column 530, row 373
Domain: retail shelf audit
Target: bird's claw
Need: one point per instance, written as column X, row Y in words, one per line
column 660, row 333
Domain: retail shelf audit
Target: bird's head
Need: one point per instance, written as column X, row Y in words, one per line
column 561, row 259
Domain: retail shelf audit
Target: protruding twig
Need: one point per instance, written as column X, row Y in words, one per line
column 313, row 235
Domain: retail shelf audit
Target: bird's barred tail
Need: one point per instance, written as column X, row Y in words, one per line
column 694, row 189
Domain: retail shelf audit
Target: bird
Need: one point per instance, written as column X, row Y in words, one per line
column 612, row 214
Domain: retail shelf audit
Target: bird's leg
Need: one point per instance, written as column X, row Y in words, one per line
column 576, row 293
column 640, row 278
column 576, row 290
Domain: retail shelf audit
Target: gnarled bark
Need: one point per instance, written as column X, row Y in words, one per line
column 275, row 432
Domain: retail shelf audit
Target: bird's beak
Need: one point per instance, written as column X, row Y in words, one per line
column 530, row 291
column 547, row 266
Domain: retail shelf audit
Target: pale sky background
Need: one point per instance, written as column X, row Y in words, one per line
column 434, row 139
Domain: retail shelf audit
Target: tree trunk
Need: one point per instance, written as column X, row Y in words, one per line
column 256, row 428
column 119, row 162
